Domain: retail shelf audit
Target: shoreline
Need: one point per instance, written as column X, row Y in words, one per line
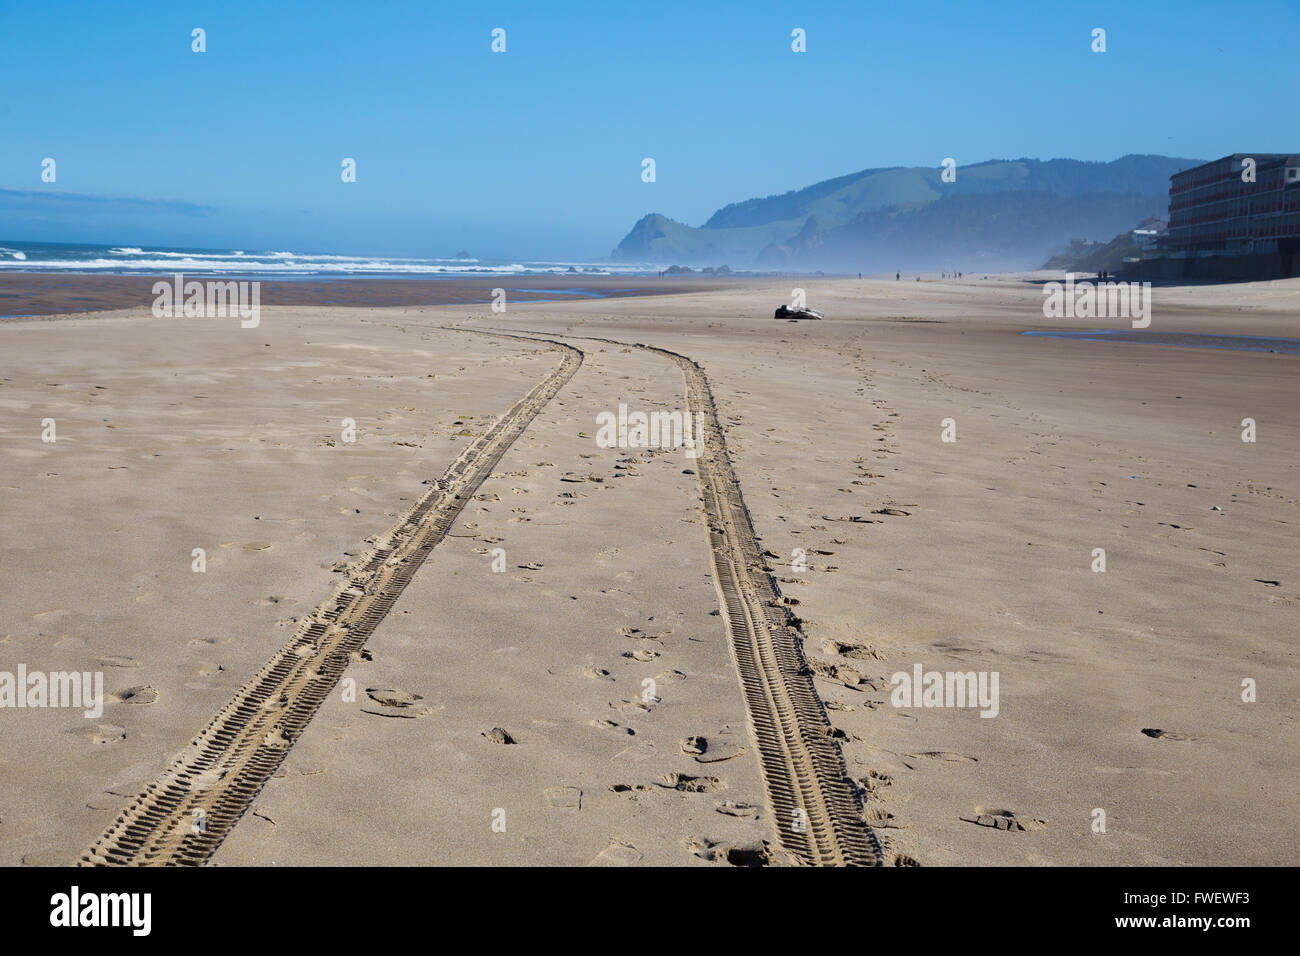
column 42, row 295
column 39, row 294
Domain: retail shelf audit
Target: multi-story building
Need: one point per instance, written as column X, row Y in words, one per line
column 1237, row 217
column 1149, row 232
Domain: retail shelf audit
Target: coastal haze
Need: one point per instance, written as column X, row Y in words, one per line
column 990, row 216
column 749, row 468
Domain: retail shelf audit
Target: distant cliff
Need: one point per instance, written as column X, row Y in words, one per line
column 1000, row 214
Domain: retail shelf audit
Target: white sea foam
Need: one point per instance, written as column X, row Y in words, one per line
column 196, row 263
column 137, row 259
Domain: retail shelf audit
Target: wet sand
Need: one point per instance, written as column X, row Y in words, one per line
column 51, row 293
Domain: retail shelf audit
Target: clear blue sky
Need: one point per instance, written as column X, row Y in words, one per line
column 537, row 152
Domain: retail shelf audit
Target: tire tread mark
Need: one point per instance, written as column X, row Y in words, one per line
column 226, row 766
column 802, row 764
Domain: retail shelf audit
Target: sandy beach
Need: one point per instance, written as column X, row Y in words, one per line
column 462, row 631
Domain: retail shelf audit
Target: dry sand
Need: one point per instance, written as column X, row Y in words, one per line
column 973, row 555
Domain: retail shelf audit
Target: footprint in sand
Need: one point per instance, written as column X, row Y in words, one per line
column 101, row 733
column 394, row 702
column 631, row 789
column 118, row 662
column 141, row 694
column 598, row 673
column 1003, row 820
column 1157, row 734
column 637, row 706
column 644, row 656
column 257, row 545
column 640, row 635
column 612, row 725
column 564, row 798
column 617, row 854
column 733, row 809
column 759, row 854
column 687, row 783
column 720, row 748
column 840, row 673
column 873, row 784
column 498, row 735
column 860, row 652
column 878, row 817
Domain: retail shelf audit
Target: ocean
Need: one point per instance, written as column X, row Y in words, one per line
column 151, row 260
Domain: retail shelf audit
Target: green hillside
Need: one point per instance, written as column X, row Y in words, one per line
column 1018, row 212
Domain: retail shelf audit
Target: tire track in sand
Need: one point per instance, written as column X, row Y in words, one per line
column 183, row 816
column 817, row 808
